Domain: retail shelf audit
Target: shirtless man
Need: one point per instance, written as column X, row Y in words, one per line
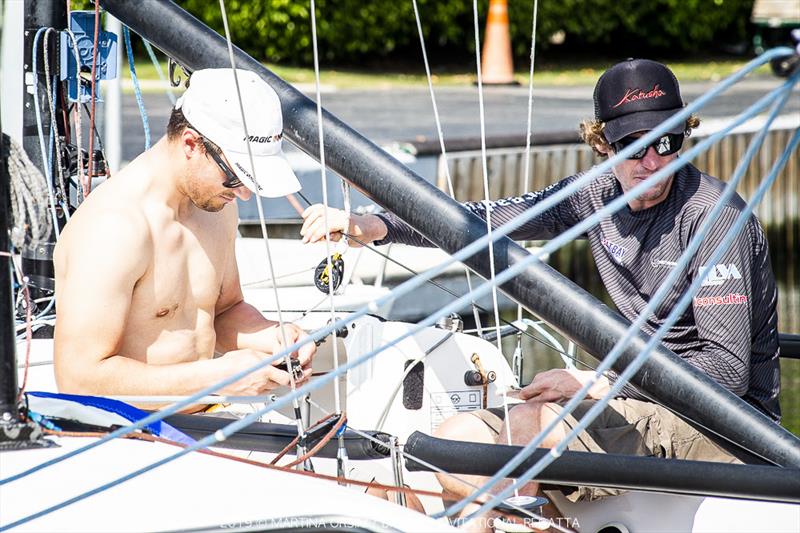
column 147, row 285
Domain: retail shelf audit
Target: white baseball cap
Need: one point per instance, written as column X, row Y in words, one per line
column 211, row 106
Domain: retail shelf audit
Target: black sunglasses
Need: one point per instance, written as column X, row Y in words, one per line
column 232, row 181
column 665, row 145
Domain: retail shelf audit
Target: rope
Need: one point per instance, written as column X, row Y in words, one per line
column 40, row 130
column 335, row 430
column 126, row 32
column 287, row 357
column 525, row 185
column 159, row 70
column 31, row 224
column 440, row 135
column 488, row 203
column 342, row 456
column 153, row 438
column 295, row 440
column 76, row 115
column 62, row 194
column 87, row 187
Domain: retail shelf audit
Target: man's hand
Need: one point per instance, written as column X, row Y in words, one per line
column 259, row 381
column 560, row 385
column 365, row 228
column 294, row 333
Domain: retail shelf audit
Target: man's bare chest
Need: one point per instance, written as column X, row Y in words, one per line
column 185, row 277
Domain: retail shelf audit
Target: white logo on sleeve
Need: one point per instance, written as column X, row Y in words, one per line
column 718, row 274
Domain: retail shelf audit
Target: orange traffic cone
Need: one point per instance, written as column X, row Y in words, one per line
column 497, row 67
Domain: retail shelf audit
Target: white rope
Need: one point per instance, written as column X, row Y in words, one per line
column 264, row 233
column 439, row 133
column 40, row 131
column 341, row 456
column 324, row 182
column 488, row 203
column 61, row 187
column 525, row 185
column 31, row 222
column 76, row 115
column 159, row 70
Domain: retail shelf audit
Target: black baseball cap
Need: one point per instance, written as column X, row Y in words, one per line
column 636, row 95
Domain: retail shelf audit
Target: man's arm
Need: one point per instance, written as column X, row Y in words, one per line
column 239, row 325
column 722, row 309
column 388, row 227
column 723, row 306
column 98, row 262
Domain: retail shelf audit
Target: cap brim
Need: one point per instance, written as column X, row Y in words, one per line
column 273, row 173
column 618, row 128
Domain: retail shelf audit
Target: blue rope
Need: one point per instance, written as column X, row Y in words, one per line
column 159, row 70
column 136, row 89
column 424, row 277
column 407, row 287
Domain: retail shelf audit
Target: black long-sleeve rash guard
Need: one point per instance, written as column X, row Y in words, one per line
column 729, row 332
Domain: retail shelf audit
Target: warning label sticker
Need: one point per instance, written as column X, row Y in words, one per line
column 448, row 403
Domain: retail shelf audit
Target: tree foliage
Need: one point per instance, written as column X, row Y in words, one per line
column 361, row 32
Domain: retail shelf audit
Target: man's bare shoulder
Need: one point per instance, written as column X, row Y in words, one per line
column 105, row 224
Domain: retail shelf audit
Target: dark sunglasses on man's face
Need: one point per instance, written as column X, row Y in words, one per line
column 665, row 145
column 232, row 181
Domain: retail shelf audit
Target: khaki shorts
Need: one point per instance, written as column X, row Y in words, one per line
column 629, row 427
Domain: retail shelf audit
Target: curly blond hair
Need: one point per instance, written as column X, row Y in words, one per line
column 592, row 133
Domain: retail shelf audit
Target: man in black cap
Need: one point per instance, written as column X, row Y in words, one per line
column 730, row 331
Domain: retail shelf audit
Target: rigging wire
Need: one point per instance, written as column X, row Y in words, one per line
column 48, row 168
column 159, row 71
column 525, row 182
column 87, row 187
column 28, row 321
column 341, row 458
column 77, row 123
column 440, row 135
column 62, row 194
column 488, row 204
column 265, row 235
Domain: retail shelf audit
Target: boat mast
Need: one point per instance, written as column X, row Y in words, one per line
column 9, row 412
